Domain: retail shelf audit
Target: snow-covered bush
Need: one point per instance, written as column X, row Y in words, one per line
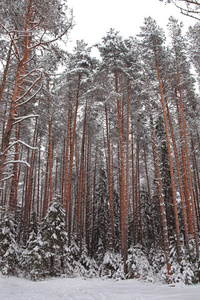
column 88, row 265
column 112, row 266
column 187, row 271
column 138, row 264
column 158, row 264
column 80, row 263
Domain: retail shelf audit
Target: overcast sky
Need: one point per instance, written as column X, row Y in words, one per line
column 93, row 18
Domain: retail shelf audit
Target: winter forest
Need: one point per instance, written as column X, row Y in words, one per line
column 100, row 157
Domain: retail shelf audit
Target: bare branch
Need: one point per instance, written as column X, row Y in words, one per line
column 13, row 41
column 53, row 40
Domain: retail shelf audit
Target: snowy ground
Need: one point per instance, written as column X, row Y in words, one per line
column 93, row 289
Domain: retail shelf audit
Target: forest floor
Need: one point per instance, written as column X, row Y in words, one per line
column 12, row 288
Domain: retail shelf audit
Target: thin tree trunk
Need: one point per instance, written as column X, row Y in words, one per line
column 15, row 178
column 133, row 188
column 112, row 225
column 185, row 173
column 38, row 182
column 45, row 197
column 127, row 145
column 69, row 187
column 80, row 199
column 186, row 229
column 88, row 196
column 198, row 182
column 67, row 156
column 138, row 188
column 149, row 193
column 188, row 163
column 50, row 167
column 93, row 204
column 123, row 202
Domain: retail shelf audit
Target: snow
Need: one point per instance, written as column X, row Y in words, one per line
column 12, row 288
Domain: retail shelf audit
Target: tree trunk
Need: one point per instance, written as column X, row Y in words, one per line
column 186, row 229
column 123, row 200
column 69, row 187
column 188, row 163
column 110, row 186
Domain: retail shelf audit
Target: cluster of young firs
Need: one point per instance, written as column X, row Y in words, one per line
column 46, row 253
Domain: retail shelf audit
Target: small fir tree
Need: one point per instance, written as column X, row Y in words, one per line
column 33, row 255
column 9, row 249
column 54, row 239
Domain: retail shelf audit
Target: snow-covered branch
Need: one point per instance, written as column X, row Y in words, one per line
column 20, row 119
column 17, row 161
column 6, row 178
column 29, row 99
column 22, row 143
column 31, row 87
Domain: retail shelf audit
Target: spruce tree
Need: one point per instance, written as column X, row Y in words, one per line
column 54, row 237
column 33, row 255
column 9, row 249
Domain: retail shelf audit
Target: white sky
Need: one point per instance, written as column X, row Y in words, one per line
column 94, row 18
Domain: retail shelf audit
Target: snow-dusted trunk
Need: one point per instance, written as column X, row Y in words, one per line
column 127, row 142
column 138, row 200
column 50, row 166
column 88, row 197
column 81, row 179
column 14, row 184
column 185, row 221
column 185, row 172
column 123, row 200
column 69, row 186
column 110, row 184
column 149, row 192
column 133, row 186
column 66, row 160
column 196, row 178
